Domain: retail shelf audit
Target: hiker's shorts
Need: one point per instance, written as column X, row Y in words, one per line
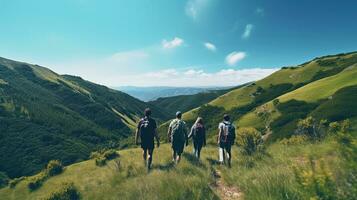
column 178, row 146
column 147, row 144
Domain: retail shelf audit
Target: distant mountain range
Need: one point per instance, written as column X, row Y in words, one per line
column 153, row 93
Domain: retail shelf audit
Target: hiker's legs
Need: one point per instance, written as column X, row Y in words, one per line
column 229, row 154
column 195, row 150
column 221, row 154
column 198, row 153
column 174, row 155
column 145, row 154
column 151, row 151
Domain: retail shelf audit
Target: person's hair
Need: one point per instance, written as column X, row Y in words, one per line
column 226, row 117
column 147, row 112
column 179, row 115
column 199, row 121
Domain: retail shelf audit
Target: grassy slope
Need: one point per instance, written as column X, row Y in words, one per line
column 271, row 177
column 296, row 77
column 313, row 92
column 58, row 117
column 185, row 103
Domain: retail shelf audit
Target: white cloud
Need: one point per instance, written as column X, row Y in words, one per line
column 162, row 74
column 210, row 46
column 176, row 42
column 259, row 11
column 192, row 77
column 193, row 8
column 234, row 57
column 247, row 31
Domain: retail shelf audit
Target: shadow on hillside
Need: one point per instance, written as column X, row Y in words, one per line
column 164, row 167
column 213, row 161
column 193, row 160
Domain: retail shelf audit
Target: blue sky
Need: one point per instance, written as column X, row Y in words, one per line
column 174, row 42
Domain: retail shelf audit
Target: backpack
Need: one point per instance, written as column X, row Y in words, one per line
column 145, row 129
column 178, row 131
column 229, row 133
column 198, row 131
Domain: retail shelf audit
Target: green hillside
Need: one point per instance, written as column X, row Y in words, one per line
column 249, row 105
column 47, row 116
column 332, row 98
column 302, row 170
column 185, row 103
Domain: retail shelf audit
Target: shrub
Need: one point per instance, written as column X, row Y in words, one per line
column 334, row 127
column 310, row 127
column 67, row 192
column 100, row 161
column 317, row 180
column 102, row 156
column 4, row 179
column 345, row 126
column 15, row 181
column 54, row 167
column 250, row 140
column 36, row 181
column 295, row 139
column 110, row 154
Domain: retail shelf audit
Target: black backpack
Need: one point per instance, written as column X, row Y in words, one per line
column 198, row 132
column 229, row 133
column 146, row 131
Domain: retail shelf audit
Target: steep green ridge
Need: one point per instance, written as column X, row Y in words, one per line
column 332, row 98
column 245, row 104
column 46, row 116
column 185, row 103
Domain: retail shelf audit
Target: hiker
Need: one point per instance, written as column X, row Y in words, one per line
column 226, row 137
column 177, row 135
column 146, row 129
column 198, row 134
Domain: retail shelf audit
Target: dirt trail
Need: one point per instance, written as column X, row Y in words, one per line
column 225, row 192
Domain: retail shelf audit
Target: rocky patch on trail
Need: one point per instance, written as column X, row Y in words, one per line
column 225, row 192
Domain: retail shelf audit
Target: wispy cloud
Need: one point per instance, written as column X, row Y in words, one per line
column 234, row 57
column 197, row 77
column 193, row 8
column 210, row 46
column 170, row 44
column 259, row 11
column 247, row 31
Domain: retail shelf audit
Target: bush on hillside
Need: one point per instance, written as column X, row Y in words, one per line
column 54, row 167
column 67, row 192
column 102, row 156
column 250, row 140
column 294, row 140
column 311, row 127
column 4, row 179
column 37, row 181
column 15, row 181
column 317, row 180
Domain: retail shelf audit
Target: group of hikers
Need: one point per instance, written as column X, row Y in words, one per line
column 178, row 135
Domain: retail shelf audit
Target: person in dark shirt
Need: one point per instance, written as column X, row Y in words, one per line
column 198, row 134
column 146, row 130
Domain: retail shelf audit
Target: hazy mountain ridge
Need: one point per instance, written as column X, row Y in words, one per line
column 153, row 93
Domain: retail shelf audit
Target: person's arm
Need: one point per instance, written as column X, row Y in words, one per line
column 186, row 135
column 191, row 132
column 157, row 137
column 169, row 133
column 204, row 136
column 219, row 134
column 137, row 136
